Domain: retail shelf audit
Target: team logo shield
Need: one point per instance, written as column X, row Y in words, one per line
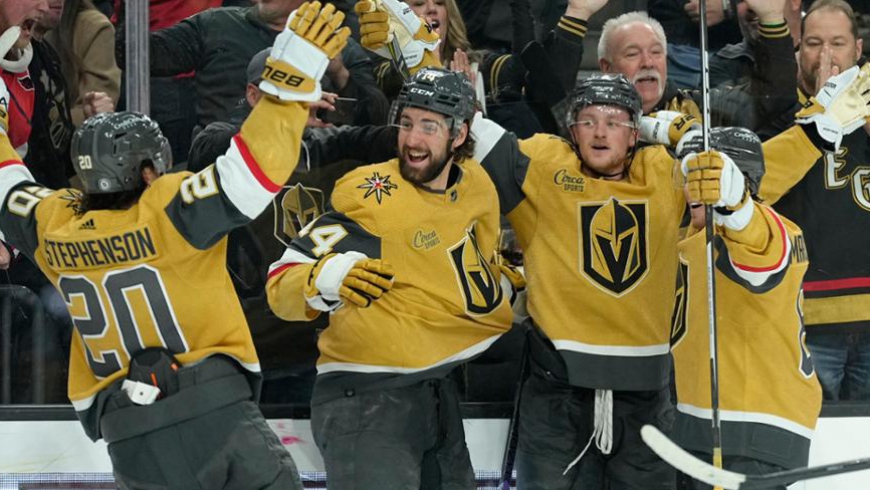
column 299, row 206
column 477, row 283
column 614, row 244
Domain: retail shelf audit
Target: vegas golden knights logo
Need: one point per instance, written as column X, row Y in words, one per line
column 679, row 320
column 614, row 253
column 479, row 287
column 299, row 207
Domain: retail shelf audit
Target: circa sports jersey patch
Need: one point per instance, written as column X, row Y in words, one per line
column 568, row 182
column 377, row 185
column 614, row 244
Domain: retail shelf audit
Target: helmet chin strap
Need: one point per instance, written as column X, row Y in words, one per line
column 7, row 41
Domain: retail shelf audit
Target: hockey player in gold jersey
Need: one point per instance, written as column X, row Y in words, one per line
column 163, row 367
column 403, row 263
column 598, row 221
column 769, row 395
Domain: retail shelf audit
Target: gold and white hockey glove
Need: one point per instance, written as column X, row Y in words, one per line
column 302, row 51
column 667, row 127
column 712, row 178
column 381, row 20
column 349, row 277
column 840, row 107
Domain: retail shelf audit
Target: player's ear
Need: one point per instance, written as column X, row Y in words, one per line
column 149, row 175
column 460, row 138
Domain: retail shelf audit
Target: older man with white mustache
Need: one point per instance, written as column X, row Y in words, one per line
column 635, row 45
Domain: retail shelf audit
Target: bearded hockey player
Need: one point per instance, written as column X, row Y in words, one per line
column 404, row 264
column 163, row 367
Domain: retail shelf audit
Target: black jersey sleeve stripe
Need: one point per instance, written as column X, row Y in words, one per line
column 725, row 266
column 201, row 212
column 499, row 153
column 335, row 232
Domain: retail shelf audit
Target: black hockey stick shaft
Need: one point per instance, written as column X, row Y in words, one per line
column 703, row 471
column 788, row 477
column 715, row 425
column 396, row 56
column 510, row 450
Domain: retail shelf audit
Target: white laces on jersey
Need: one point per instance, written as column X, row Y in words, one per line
column 602, row 429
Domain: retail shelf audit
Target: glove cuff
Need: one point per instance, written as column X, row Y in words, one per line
column 736, row 218
column 655, row 131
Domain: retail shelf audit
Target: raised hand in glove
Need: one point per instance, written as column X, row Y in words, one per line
column 712, row 178
column 349, row 277
column 380, row 20
column 667, row 127
column 840, row 107
column 302, row 52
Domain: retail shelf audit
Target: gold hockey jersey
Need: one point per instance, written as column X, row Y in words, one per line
column 600, row 256
column 446, row 305
column 769, row 395
column 153, row 274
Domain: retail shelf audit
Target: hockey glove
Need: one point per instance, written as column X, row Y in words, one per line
column 381, row 20
column 667, row 127
column 302, row 51
column 840, row 107
column 712, row 178
column 513, row 283
column 347, row 277
column 512, row 280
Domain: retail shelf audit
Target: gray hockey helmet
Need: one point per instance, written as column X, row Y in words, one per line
column 438, row 90
column 109, row 149
column 741, row 144
column 605, row 89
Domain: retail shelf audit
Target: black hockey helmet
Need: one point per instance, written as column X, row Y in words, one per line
column 741, row 144
column 605, row 89
column 109, row 149
column 438, row 90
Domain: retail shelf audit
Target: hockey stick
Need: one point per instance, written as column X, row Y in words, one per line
column 395, row 50
column 709, row 232
column 677, row 457
column 510, row 449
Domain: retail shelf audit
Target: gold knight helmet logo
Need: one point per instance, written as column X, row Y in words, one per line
column 614, row 253
column 299, row 206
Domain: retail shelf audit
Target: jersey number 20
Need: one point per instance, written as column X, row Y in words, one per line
column 94, row 325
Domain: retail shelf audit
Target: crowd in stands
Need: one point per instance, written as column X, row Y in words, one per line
column 767, row 57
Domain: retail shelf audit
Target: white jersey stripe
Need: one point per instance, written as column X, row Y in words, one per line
column 613, row 350
column 240, row 182
column 754, row 417
column 331, row 367
column 290, row 256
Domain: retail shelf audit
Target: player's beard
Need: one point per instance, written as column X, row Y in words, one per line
column 430, row 172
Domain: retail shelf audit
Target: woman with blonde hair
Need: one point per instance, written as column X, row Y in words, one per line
column 500, row 78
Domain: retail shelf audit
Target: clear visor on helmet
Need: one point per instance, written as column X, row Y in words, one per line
column 428, row 127
column 587, row 117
